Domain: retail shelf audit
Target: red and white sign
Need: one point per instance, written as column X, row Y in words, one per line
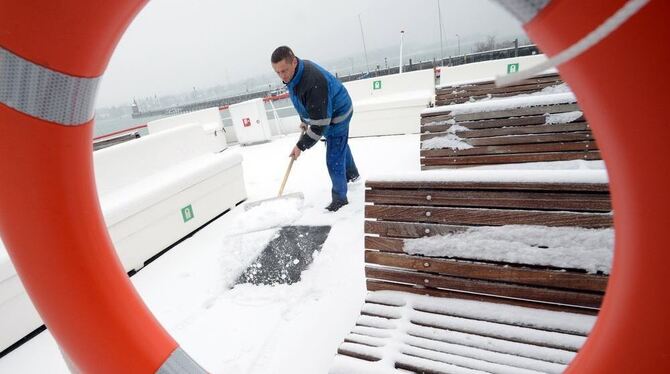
column 246, row 122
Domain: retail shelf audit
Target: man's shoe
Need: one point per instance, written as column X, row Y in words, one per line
column 337, row 204
column 354, row 178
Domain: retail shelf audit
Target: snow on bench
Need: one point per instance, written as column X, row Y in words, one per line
column 153, row 191
column 480, row 271
column 545, row 126
column 423, row 334
column 390, row 104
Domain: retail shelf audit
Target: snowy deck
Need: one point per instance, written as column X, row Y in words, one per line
column 268, row 329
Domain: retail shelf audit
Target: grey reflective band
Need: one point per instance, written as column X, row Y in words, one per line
column 318, row 122
column 46, row 94
column 341, row 118
column 312, row 134
column 523, row 10
column 180, row 363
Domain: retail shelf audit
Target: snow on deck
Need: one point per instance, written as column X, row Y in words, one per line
column 273, row 329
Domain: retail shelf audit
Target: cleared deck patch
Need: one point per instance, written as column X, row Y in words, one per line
column 286, row 256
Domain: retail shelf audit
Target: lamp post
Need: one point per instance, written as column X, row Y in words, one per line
column 402, row 37
column 459, row 44
column 439, row 15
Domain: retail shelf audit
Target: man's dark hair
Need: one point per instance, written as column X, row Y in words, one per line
column 282, row 53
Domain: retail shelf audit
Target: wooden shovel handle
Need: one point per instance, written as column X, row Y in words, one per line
column 288, row 171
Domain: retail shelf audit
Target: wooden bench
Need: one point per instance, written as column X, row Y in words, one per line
column 461, row 93
column 482, row 305
column 552, row 132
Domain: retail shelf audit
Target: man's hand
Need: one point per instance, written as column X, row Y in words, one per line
column 295, row 153
column 303, row 126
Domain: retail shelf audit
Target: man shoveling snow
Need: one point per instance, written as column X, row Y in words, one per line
column 325, row 109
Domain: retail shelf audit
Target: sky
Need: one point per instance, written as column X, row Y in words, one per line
column 175, row 45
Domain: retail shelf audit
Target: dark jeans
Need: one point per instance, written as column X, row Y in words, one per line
column 340, row 161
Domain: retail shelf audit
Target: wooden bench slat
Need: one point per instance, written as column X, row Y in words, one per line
column 574, row 136
column 535, row 353
column 466, row 92
column 492, row 199
column 515, row 130
column 409, row 230
column 441, row 162
column 513, row 364
column 511, row 149
column 355, row 354
column 506, row 113
column 464, row 97
column 478, row 270
column 491, row 83
column 537, row 338
column 373, row 285
column 537, row 119
column 522, row 323
column 465, row 185
column 438, row 126
column 538, row 294
column 486, row 217
column 428, row 123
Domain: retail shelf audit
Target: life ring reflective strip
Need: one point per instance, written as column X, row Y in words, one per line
column 622, row 85
column 44, row 93
column 50, row 217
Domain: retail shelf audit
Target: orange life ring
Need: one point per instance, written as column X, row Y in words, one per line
column 51, row 221
column 50, row 218
column 622, row 86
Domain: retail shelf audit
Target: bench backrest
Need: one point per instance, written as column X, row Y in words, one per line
column 461, row 93
column 402, row 210
column 553, row 129
column 126, row 163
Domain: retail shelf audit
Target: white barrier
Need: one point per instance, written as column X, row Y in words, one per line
column 390, row 104
column 143, row 182
column 487, row 70
column 209, row 119
column 153, row 191
column 250, row 121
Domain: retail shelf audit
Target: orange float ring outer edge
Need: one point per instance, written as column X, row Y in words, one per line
column 54, row 232
column 75, row 37
column 50, row 216
column 622, row 86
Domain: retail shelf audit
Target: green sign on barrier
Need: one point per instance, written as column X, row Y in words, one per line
column 377, row 85
column 512, row 68
column 187, row 213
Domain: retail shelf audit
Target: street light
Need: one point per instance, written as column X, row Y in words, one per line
column 439, row 14
column 459, row 44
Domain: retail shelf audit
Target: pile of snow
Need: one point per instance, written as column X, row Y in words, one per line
column 566, row 117
column 268, row 214
column 562, row 247
column 446, row 141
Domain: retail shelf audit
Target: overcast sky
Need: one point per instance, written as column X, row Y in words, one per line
column 175, row 45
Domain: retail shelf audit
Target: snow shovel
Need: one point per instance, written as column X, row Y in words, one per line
column 294, row 195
